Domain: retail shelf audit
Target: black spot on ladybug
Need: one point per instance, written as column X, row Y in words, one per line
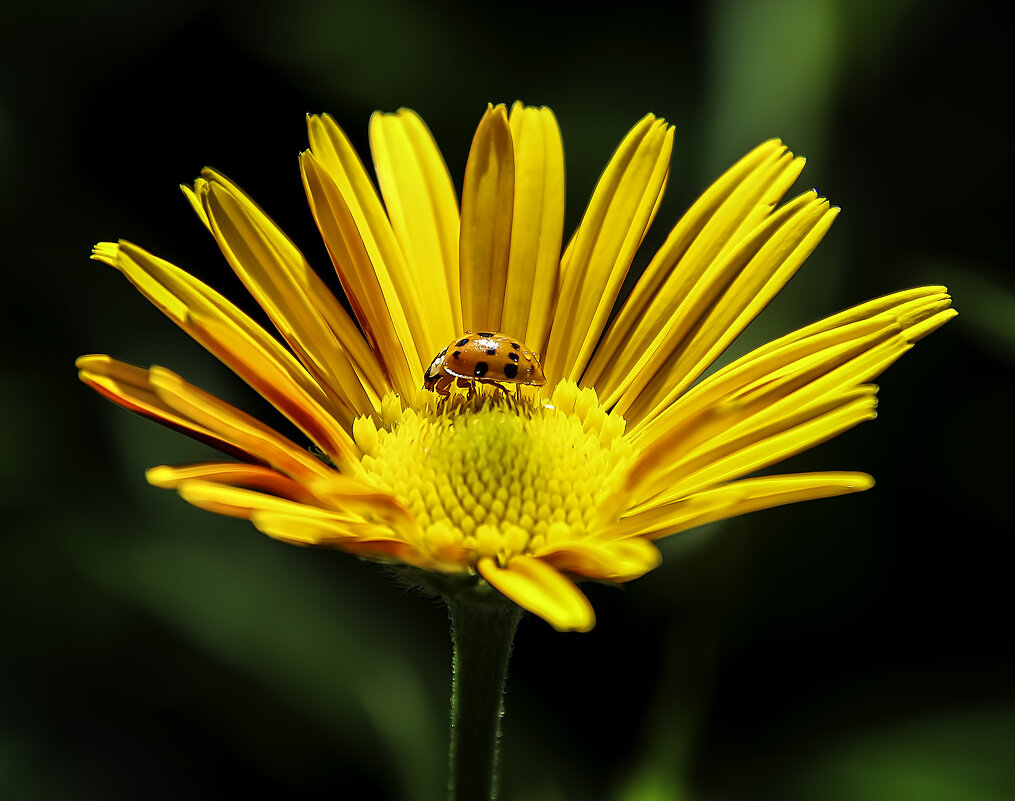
column 481, row 369
column 510, row 370
column 491, row 351
column 513, row 357
column 456, row 355
column 461, row 342
column 486, row 333
column 515, row 345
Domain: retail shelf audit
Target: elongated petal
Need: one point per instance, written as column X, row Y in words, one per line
column 721, row 306
column 285, row 286
column 733, row 206
column 321, row 427
column 233, row 425
column 368, row 290
column 487, row 208
column 737, row 498
column 916, row 312
column 184, row 299
column 606, row 561
column 232, row 501
column 363, row 539
column 423, row 209
column 534, row 585
column 611, row 231
column 233, row 474
column 757, row 449
column 806, row 355
column 286, row 268
column 537, row 226
column 336, row 155
column 129, row 387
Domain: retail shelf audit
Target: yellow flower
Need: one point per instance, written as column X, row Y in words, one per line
column 529, row 488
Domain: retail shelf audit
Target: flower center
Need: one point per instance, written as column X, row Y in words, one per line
column 494, row 475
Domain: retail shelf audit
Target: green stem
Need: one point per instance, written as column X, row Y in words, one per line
column 482, row 631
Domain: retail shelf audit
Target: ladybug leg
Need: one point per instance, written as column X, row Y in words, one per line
column 499, row 386
column 468, row 385
column 442, row 386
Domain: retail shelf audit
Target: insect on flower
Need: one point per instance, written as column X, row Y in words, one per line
column 626, row 435
column 487, row 357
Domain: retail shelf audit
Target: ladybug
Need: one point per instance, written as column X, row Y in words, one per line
column 486, row 357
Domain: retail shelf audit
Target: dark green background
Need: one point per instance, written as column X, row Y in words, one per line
column 856, row 649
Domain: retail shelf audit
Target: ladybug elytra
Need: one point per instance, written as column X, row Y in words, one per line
column 487, row 357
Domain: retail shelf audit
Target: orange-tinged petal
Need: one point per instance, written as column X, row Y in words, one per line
column 181, row 297
column 607, row 561
column 358, row 537
column 233, row 474
column 225, row 499
column 487, row 208
column 287, row 397
column 534, row 585
column 129, row 386
column 233, row 425
column 345, row 492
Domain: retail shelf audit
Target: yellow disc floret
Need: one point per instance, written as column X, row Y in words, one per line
column 498, row 476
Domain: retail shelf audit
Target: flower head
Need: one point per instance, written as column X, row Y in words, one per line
column 529, row 485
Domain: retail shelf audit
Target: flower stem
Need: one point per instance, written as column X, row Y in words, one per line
column 482, row 630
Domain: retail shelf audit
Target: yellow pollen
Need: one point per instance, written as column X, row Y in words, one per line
column 493, row 475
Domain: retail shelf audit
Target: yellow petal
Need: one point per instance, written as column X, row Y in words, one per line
column 733, row 206
column 537, row 226
column 721, row 306
column 180, row 296
column 771, row 400
column 129, row 387
column 279, row 278
column 804, row 356
column 611, row 231
column 248, row 476
column 233, row 425
column 534, row 585
column 286, row 396
column 737, row 498
column 608, row 561
column 363, row 539
column 915, row 312
column 725, row 459
column 368, row 290
column 423, row 209
column 224, row 499
column 487, row 207
column 331, row 147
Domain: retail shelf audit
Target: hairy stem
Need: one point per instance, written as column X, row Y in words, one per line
column 482, row 632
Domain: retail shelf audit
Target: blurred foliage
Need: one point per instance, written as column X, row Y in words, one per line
column 856, row 649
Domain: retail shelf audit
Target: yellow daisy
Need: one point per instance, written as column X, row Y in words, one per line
column 528, row 487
